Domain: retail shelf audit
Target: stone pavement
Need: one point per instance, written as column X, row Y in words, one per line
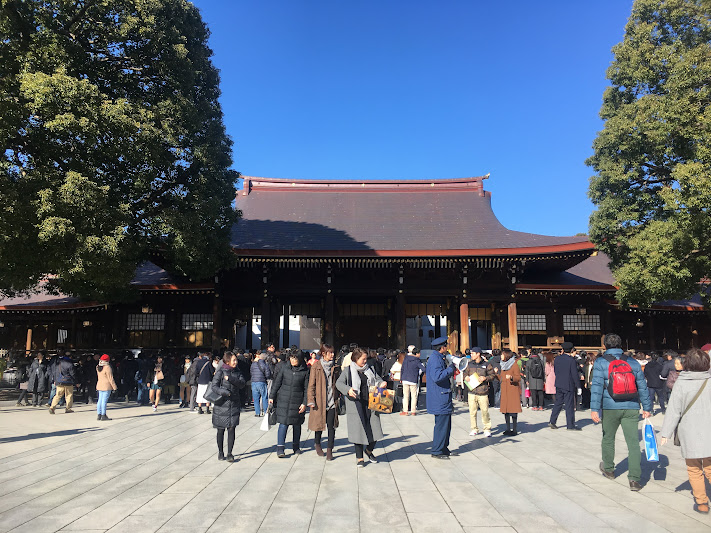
column 148, row 472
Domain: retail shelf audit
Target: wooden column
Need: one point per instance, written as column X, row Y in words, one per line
column 28, row 343
column 329, row 320
column 464, row 325
column 275, row 315
column 437, row 325
column 495, row 328
column 513, row 328
column 400, row 322
column 266, row 322
column 285, row 336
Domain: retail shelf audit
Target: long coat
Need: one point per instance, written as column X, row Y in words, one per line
column 439, row 386
column 317, row 395
column 225, row 413
column 510, row 390
column 695, row 425
column 39, row 374
column 289, row 392
column 535, row 383
column 363, row 424
column 550, row 379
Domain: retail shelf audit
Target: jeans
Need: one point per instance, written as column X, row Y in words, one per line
column 629, row 420
column 259, row 391
column 281, row 435
column 142, row 396
column 103, row 400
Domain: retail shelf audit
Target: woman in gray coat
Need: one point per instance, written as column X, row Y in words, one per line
column 694, row 427
column 364, row 428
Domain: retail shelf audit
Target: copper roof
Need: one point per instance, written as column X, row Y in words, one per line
column 444, row 217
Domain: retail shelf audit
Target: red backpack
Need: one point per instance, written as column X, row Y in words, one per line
column 621, row 381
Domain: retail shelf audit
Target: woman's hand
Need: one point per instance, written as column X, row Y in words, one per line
column 352, row 394
column 662, row 441
column 225, row 378
column 508, row 376
column 383, row 385
column 302, row 408
column 271, row 401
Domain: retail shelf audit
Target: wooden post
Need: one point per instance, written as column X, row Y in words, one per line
column 464, row 325
column 28, row 343
column 495, row 328
column 400, row 322
column 266, row 322
column 329, row 320
column 513, row 328
column 437, row 325
column 285, row 335
column 275, row 315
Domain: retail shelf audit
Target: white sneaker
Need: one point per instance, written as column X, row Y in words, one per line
column 487, row 433
column 473, row 432
column 155, row 408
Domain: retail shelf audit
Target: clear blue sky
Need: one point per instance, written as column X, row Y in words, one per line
column 414, row 89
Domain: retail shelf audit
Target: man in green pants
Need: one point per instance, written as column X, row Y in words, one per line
column 616, row 413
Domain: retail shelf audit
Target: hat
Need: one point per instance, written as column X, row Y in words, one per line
column 439, row 341
column 706, row 347
column 104, row 357
column 476, row 349
column 567, row 346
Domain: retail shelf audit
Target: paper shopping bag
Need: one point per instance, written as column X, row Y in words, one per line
column 265, row 424
column 380, row 400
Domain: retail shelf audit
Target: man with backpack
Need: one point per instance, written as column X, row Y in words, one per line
column 618, row 388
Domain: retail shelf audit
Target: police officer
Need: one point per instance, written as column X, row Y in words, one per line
column 439, row 398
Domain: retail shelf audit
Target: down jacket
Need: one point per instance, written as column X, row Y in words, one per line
column 289, row 392
column 225, row 413
column 39, row 374
column 599, row 397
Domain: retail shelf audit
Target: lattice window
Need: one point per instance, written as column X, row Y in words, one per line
column 575, row 323
column 531, row 323
column 146, row 322
column 197, row 322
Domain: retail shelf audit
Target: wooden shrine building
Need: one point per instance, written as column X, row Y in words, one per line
column 379, row 263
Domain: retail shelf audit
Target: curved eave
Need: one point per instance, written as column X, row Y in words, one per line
column 531, row 251
column 528, row 287
column 89, row 306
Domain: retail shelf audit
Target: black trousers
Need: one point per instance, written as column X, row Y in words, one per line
column 564, row 398
column 661, row 396
column 359, row 449
column 537, row 398
column 23, row 396
column 330, row 425
column 221, row 440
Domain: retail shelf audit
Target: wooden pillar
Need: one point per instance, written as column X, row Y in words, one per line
column 275, row 315
column 495, row 328
column 28, row 343
column 437, row 325
column 513, row 328
column 400, row 322
column 266, row 322
column 285, row 336
column 248, row 336
column 464, row 325
column 329, row 320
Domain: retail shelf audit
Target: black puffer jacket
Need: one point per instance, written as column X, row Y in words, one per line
column 39, row 374
column 225, row 413
column 289, row 392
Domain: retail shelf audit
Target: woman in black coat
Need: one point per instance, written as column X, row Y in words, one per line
column 225, row 413
column 38, row 382
column 290, row 389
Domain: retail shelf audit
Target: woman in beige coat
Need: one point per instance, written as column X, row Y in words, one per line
column 104, row 385
column 323, row 399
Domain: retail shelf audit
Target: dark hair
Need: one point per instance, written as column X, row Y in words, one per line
column 227, row 357
column 612, row 340
column 507, row 353
column 415, row 351
column 696, row 361
column 298, row 355
column 325, row 348
column 357, row 354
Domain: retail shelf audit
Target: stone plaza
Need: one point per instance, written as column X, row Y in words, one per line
column 148, row 472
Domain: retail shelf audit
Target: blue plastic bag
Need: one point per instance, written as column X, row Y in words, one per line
column 650, row 442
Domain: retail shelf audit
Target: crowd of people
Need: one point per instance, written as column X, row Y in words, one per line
column 292, row 384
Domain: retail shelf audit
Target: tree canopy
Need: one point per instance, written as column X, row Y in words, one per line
column 114, row 144
column 652, row 186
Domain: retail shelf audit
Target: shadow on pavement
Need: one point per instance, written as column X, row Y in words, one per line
column 63, row 433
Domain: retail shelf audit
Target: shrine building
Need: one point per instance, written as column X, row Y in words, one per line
column 378, row 263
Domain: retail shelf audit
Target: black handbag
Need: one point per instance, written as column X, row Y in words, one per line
column 271, row 414
column 212, row 394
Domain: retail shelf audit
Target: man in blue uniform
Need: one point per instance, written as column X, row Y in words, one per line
column 439, row 398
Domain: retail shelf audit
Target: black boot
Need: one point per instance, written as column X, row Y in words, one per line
column 105, row 418
column 98, row 417
column 207, row 410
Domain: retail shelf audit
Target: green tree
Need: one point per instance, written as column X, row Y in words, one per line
column 652, row 186
column 114, row 144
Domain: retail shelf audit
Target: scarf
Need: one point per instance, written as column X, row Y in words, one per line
column 327, row 369
column 505, row 365
column 356, row 371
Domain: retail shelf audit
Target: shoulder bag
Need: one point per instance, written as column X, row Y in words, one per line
column 215, row 393
column 677, row 442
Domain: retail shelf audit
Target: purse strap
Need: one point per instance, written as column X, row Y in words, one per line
column 694, row 400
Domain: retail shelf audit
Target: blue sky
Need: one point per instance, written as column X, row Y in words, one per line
column 395, row 89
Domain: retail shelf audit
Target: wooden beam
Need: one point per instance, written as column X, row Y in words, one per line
column 28, row 343
column 464, row 325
